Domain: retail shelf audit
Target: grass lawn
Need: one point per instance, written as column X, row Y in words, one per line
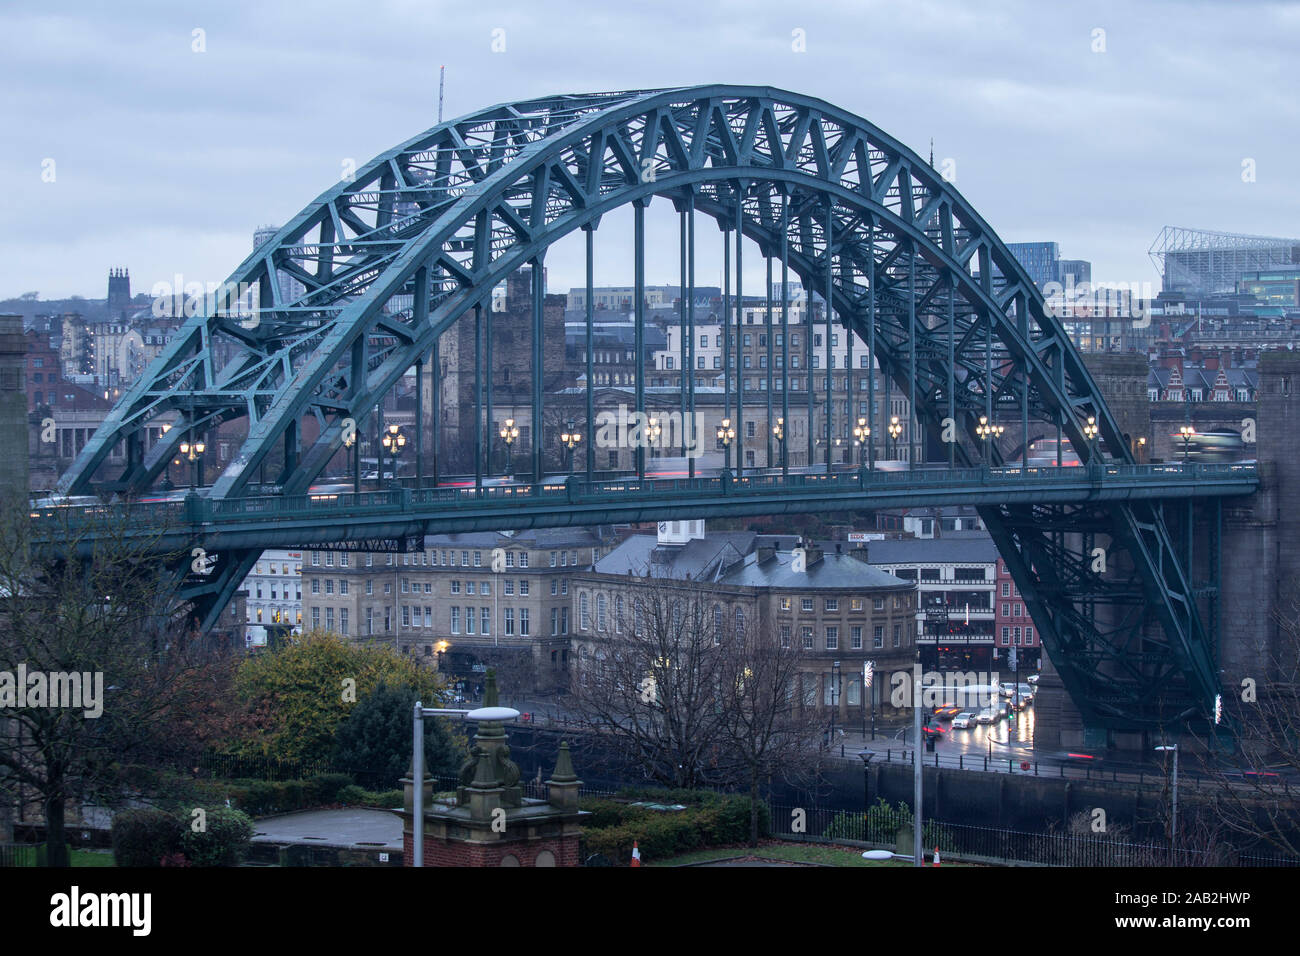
column 93, row 858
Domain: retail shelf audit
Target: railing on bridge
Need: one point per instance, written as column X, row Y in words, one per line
column 576, row 490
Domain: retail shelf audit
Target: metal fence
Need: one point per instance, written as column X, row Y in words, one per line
column 881, row 827
column 18, row 854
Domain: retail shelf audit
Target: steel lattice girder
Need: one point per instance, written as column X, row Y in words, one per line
column 424, row 232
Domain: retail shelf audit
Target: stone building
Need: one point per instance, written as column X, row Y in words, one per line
column 468, row 598
column 841, row 611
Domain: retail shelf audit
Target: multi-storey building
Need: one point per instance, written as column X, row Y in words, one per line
column 1014, row 627
column 957, row 576
column 842, row 612
column 274, row 597
column 469, row 598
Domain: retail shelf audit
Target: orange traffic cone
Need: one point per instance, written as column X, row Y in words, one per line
column 636, row 854
column 936, row 856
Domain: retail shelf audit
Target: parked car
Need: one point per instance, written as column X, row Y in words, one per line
column 963, row 721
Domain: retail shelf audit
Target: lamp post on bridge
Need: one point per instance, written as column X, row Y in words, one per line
column 895, row 430
column 778, row 432
column 193, row 450
column 393, row 442
column 1186, row 434
column 570, row 438
column 988, row 433
column 726, row 435
column 509, row 433
column 862, row 433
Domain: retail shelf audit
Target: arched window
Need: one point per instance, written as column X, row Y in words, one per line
column 600, row 612
column 618, row 614
column 740, row 621
column 717, row 624
column 584, row 612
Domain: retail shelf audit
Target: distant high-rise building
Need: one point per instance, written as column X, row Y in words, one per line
column 290, row 288
column 1043, row 262
column 1040, row 259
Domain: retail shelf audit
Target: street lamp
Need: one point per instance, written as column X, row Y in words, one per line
column 895, row 430
column 835, row 695
column 652, row 432
column 393, row 441
column 350, row 442
column 509, row 432
column 778, row 432
column 1186, row 433
column 865, row 756
column 193, row 450
column 726, row 435
column 1090, row 433
column 862, row 432
column 988, row 433
column 1173, row 820
column 569, row 438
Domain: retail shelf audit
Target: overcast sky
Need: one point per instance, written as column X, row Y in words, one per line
column 166, row 159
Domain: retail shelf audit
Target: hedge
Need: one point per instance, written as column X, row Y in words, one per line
column 714, row 820
column 143, row 837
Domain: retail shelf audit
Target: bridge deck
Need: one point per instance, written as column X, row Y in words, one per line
column 294, row 521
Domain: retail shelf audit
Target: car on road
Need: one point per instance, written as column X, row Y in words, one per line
column 963, row 721
column 988, row 715
column 931, row 730
column 946, row 711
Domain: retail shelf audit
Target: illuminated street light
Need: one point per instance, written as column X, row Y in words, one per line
column 570, row 438
column 862, row 432
column 726, row 435
column 895, row 429
column 1186, row 433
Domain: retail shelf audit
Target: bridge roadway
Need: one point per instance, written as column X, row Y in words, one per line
column 321, row 518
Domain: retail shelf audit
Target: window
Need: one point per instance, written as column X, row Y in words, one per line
column 785, row 604
column 564, row 586
column 601, row 605
column 455, row 587
column 455, row 619
column 469, row 620
column 555, row 557
column 877, row 604
column 855, row 637
column 329, row 559
column 523, row 559
column 1019, row 610
column 510, row 620
column 855, row 604
column 510, row 559
column 1006, row 609
column 785, row 635
column 1029, row 635
column 315, row 559
column 343, row 586
column 832, row 604
column 485, row 588
column 428, row 616
column 555, row 621
column 1015, row 635
column 406, row 616
column 806, row 604
column 807, row 634
column 510, row 587
column 469, row 587
column 315, row 586
column 406, row 585
column 898, row 635
column 370, row 586
column 523, row 622
column 523, row 588
column 485, row 621
column 584, row 615
column 1006, row 590
column 343, row 560
column 618, row 614
column 315, row 617
column 555, row 586
column 329, row 585
column 478, row 559
column 832, row 638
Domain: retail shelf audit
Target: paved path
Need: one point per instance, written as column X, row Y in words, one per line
column 376, row 829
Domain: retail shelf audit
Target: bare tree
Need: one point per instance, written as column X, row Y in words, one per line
column 1254, row 756
column 90, row 606
column 766, row 731
column 652, row 680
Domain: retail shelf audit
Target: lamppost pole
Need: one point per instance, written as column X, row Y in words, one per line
column 726, row 435
column 778, row 432
column 895, row 430
column 1173, row 818
column 1186, row 433
column 509, row 432
column 569, row 438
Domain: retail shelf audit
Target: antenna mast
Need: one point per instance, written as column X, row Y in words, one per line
column 442, row 76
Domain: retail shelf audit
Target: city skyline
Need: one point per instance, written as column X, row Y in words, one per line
column 1055, row 132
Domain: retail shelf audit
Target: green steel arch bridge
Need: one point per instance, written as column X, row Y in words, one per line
column 385, row 264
